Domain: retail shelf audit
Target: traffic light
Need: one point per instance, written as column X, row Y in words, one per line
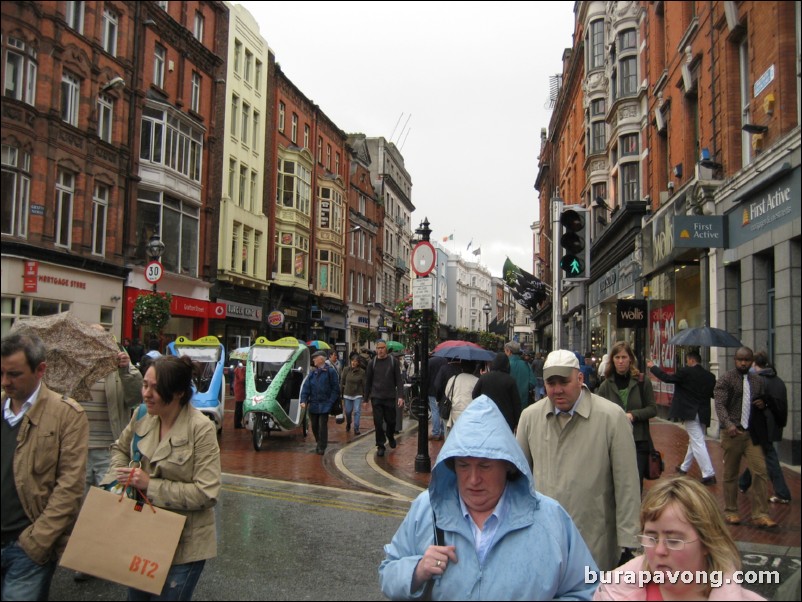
column 575, row 242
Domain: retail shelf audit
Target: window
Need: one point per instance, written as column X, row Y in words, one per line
column 176, row 222
column 257, row 75
column 329, row 271
column 162, row 4
column 629, row 145
column 746, row 97
column 167, row 137
column 16, row 190
column 627, row 40
column 194, row 103
column 237, row 56
column 293, row 254
column 330, row 215
column 234, row 115
column 159, row 57
column 294, row 131
column 320, row 149
column 337, row 163
column 100, row 205
column 246, row 250
column 110, row 32
column 70, row 98
column 294, row 186
column 328, row 157
column 65, row 192
column 306, row 136
column 75, row 16
column 246, row 122
column 232, row 177
column 20, row 73
column 24, row 307
column 198, row 29
column 598, row 139
column 598, row 107
column 597, row 44
column 630, row 182
column 254, row 190
column 235, row 236
column 256, row 131
column 362, row 204
column 281, row 111
column 629, row 76
column 243, row 186
column 105, row 117
column 248, row 66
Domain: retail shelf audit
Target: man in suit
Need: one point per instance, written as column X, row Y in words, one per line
column 43, row 467
column 693, row 389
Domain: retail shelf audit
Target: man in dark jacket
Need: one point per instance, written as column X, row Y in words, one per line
column 501, row 387
column 434, row 365
column 693, row 388
column 384, row 388
column 319, row 392
column 776, row 418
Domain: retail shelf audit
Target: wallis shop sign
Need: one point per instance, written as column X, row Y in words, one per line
column 631, row 313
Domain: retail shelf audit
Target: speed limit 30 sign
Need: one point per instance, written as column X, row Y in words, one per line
column 154, row 272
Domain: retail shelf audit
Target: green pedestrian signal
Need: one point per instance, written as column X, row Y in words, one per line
column 575, row 243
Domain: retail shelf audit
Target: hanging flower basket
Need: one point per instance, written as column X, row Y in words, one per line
column 410, row 322
column 152, row 311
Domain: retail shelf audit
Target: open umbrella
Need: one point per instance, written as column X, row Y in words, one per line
column 704, row 336
column 240, row 353
column 395, row 346
column 318, row 345
column 78, row 355
column 467, row 353
column 447, row 344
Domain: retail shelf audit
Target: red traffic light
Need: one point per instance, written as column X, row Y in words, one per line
column 572, row 220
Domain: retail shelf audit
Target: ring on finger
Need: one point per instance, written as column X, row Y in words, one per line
column 438, row 563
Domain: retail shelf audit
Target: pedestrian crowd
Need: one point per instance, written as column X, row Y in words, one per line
column 537, row 485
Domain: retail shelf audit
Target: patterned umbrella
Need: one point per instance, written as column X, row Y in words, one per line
column 318, row 345
column 78, row 355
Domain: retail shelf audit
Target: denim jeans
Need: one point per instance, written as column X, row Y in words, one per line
column 179, row 585
column 775, row 475
column 23, row 579
column 353, row 405
column 437, row 423
column 97, row 465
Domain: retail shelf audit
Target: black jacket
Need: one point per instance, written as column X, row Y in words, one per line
column 692, row 392
column 776, row 398
column 500, row 386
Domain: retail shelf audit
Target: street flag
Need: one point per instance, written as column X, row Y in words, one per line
column 447, row 238
column 469, row 245
column 478, row 251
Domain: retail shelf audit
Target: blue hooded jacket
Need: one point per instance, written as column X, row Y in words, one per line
column 537, row 552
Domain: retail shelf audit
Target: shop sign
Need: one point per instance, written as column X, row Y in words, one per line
column 56, row 280
column 29, row 279
column 37, row 209
column 772, row 208
column 182, row 306
column 291, row 313
column 333, row 320
column 275, row 318
column 243, row 310
column 217, row 311
column 621, row 277
column 662, row 238
column 631, row 313
column 700, row 231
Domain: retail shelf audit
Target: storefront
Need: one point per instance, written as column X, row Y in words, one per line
column 240, row 326
column 619, row 282
column 39, row 288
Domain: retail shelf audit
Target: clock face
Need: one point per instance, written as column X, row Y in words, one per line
column 423, row 258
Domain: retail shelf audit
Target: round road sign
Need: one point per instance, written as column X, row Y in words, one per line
column 154, row 272
column 423, row 258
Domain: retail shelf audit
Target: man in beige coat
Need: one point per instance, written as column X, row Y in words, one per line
column 44, row 438
column 582, row 454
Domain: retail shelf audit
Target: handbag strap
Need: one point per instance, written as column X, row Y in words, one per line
column 136, row 455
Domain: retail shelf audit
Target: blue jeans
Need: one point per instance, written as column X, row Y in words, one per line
column 775, row 475
column 437, row 424
column 23, row 579
column 179, row 585
column 353, row 405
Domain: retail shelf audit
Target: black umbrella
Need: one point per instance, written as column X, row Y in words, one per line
column 704, row 336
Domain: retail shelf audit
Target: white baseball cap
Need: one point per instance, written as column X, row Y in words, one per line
column 560, row 363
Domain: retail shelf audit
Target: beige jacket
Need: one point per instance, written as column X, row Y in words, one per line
column 590, row 468
column 123, row 389
column 184, row 474
column 50, row 471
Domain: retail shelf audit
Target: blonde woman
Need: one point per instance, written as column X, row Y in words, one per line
column 689, row 553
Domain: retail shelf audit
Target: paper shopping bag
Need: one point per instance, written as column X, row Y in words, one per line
column 115, row 541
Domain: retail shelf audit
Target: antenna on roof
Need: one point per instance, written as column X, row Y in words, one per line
column 400, row 117
column 405, row 140
column 405, row 127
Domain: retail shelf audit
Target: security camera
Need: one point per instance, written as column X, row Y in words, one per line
column 116, row 82
column 671, row 185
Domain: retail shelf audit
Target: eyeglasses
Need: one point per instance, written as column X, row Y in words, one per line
column 647, row 541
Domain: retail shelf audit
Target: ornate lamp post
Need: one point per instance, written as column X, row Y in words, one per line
column 423, row 462
column 487, row 309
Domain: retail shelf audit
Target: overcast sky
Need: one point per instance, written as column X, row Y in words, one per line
column 461, row 88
